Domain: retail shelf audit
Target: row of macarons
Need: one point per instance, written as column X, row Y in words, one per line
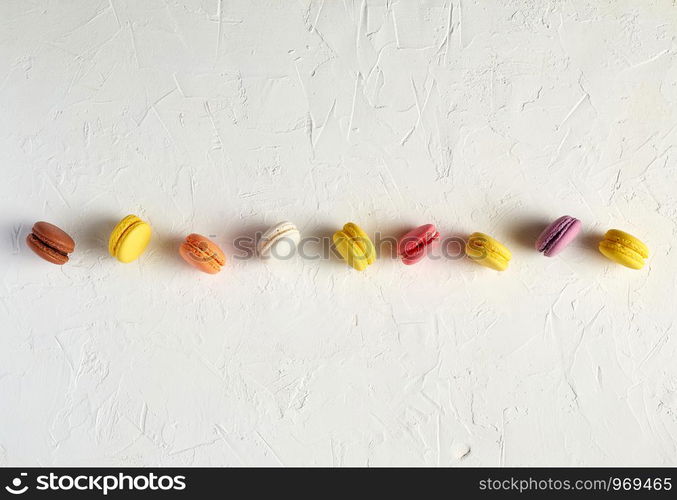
column 130, row 237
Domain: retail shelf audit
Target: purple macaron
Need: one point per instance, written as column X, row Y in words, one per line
column 558, row 235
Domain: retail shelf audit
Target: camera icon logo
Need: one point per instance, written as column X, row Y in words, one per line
column 16, row 488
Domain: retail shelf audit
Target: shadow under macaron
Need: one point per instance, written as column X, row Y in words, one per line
column 452, row 245
column 167, row 247
column 239, row 245
column 589, row 242
column 452, row 250
column 317, row 246
column 526, row 231
column 93, row 236
column 387, row 237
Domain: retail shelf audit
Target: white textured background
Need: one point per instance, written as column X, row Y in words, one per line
column 222, row 117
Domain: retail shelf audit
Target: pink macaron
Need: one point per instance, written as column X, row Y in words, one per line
column 412, row 246
column 558, row 235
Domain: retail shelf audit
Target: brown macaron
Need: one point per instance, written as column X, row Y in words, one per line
column 50, row 243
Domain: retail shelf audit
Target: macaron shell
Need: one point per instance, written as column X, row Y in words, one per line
column 413, row 259
column 491, row 260
column 133, row 242
column 413, row 238
column 351, row 252
column 290, row 237
column 488, row 252
column 45, row 252
column 566, row 236
column 54, row 237
column 486, row 241
column 118, row 231
column 621, row 254
column 279, row 228
column 282, row 231
column 198, row 259
column 549, row 232
column 361, row 239
column 203, row 258
column 627, row 240
column 208, row 247
column 202, row 253
column 412, row 247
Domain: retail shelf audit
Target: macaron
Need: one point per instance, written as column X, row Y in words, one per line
column 412, row 246
column 624, row 248
column 353, row 244
column 202, row 253
column 558, row 235
column 485, row 250
column 129, row 239
column 270, row 241
column 50, row 243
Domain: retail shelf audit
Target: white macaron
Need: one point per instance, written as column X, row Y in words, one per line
column 272, row 241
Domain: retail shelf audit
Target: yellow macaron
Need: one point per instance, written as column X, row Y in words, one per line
column 355, row 246
column 624, row 248
column 485, row 250
column 129, row 239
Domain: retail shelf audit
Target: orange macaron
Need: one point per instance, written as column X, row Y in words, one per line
column 202, row 253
